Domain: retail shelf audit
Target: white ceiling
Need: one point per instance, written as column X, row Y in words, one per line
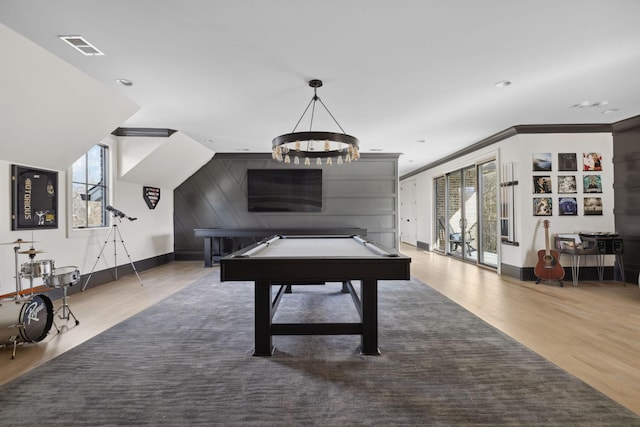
column 411, row 76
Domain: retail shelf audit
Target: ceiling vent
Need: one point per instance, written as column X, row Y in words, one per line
column 81, row 45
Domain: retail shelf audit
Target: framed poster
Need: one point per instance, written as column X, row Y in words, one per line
column 542, row 206
column 542, row 184
column 593, row 206
column 34, row 194
column 591, row 162
column 567, row 162
column 592, row 184
column 567, row 184
column 541, row 162
column 567, row 206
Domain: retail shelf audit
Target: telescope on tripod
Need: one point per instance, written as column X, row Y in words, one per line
column 119, row 214
column 115, row 232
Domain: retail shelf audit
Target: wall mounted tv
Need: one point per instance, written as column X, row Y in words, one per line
column 284, row 190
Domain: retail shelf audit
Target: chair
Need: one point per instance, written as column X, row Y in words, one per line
column 455, row 239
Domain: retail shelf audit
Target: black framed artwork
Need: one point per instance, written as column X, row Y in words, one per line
column 567, row 162
column 567, row 206
column 592, row 184
column 591, row 162
column 593, row 206
column 34, row 194
column 542, row 206
column 567, row 184
column 542, row 184
column 542, row 162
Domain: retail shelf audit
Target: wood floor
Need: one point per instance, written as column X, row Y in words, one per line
column 591, row 330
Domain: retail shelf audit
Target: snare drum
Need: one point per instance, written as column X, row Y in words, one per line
column 27, row 320
column 33, row 269
column 63, row 276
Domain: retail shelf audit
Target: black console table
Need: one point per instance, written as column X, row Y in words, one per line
column 211, row 234
column 595, row 244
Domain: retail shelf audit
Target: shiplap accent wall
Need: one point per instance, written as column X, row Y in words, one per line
column 363, row 194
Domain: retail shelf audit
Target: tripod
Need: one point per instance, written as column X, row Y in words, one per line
column 115, row 232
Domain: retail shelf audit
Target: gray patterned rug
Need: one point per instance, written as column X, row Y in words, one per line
column 187, row 361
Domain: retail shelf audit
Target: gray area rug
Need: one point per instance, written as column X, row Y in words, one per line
column 187, row 361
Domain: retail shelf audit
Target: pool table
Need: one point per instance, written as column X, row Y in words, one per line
column 297, row 260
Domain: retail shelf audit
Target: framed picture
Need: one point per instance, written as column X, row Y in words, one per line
column 593, row 206
column 592, row 183
column 591, row 161
column 567, row 162
column 542, row 206
column 542, row 162
column 567, row 206
column 567, row 184
column 542, row 184
column 34, row 194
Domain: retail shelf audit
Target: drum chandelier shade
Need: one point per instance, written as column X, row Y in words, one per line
column 314, row 145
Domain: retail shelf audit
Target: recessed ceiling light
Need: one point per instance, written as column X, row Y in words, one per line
column 375, row 149
column 502, row 83
column 421, row 141
column 209, row 141
column 80, row 44
column 243, row 149
column 125, row 82
column 609, row 111
column 589, row 104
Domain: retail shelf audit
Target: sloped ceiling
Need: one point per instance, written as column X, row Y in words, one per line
column 51, row 113
column 160, row 162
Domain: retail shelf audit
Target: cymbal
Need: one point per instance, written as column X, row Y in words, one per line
column 18, row 242
column 31, row 252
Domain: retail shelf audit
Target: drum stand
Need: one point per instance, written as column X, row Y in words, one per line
column 66, row 310
column 115, row 232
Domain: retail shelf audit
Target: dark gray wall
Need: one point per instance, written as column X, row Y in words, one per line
column 363, row 194
column 626, row 162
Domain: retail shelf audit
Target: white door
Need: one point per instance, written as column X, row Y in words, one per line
column 408, row 213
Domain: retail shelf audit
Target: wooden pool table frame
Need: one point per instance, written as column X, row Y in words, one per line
column 266, row 272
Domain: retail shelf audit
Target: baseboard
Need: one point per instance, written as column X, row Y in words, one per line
column 423, row 245
column 586, row 273
column 101, row 277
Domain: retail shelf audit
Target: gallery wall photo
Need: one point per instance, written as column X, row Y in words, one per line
column 34, row 194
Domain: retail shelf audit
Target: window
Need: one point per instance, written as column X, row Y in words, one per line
column 89, row 188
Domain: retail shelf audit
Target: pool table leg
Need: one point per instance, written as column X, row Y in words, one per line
column 263, row 310
column 369, row 294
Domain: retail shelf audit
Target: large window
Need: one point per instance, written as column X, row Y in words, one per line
column 89, row 188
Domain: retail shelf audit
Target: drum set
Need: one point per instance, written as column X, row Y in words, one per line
column 26, row 316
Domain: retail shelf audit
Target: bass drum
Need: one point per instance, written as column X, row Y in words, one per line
column 27, row 320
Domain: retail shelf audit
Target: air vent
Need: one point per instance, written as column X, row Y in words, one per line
column 81, row 45
column 153, row 132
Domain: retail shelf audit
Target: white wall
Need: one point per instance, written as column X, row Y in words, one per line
column 529, row 231
column 150, row 235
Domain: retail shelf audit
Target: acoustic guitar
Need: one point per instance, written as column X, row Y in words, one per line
column 548, row 266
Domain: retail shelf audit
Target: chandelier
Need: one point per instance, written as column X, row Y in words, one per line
column 313, row 145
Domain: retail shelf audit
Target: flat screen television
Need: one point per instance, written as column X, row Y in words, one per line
column 284, row 190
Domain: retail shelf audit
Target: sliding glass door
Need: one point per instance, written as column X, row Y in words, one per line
column 488, row 220
column 465, row 213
